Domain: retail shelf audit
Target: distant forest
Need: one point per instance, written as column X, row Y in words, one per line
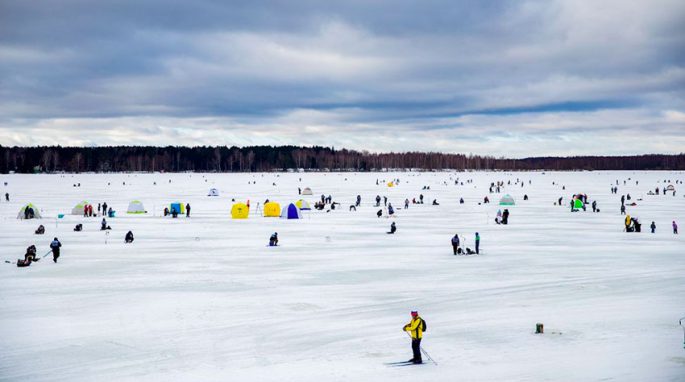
column 279, row 158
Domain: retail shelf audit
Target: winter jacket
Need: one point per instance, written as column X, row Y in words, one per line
column 415, row 328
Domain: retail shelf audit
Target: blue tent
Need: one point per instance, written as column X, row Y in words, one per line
column 291, row 212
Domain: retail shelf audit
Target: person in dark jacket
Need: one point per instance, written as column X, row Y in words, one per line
column 40, row 230
column 103, row 224
column 29, row 257
column 129, row 237
column 55, row 246
column 273, row 240
column 477, row 243
column 379, row 213
column 653, row 227
column 391, row 210
column 393, row 228
column 505, row 216
column 455, row 243
column 187, row 210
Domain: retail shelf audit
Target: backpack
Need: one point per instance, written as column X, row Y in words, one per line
column 424, row 326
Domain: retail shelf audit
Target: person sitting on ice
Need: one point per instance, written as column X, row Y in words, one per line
column 393, row 228
column 461, row 200
column 391, row 211
column 498, row 218
column 435, row 202
column 273, row 240
column 40, row 230
column 129, row 237
column 29, row 257
column 104, row 226
column 486, row 200
column 379, row 213
column 78, row 227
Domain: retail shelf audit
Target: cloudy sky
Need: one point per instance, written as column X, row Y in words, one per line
column 506, row 78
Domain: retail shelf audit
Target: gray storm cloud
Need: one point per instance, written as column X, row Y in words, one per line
column 505, row 78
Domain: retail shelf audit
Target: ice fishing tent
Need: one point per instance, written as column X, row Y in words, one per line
column 307, row 191
column 391, row 184
column 136, row 207
column 180, row 208
column 303, row 205
column 578, row 204
column 272, row 210
column 79, row 208
column 22, row 212
column 506, row 200
column 291, row 212
column 670, row 188
column 240, row 211
column 213, row 192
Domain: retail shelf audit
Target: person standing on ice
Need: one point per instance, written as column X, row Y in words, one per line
column 623, row 209
column 653, row 227
column 55, row 246
column 415, row 328
column 187, row 210
column 455, row 243
column 477, row 243
column 675, row 228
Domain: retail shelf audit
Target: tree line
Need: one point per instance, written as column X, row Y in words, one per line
column 279, row 158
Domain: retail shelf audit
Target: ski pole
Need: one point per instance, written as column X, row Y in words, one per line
column 424, row 351
column 681, row 324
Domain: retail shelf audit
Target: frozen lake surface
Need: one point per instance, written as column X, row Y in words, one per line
column 204, row 299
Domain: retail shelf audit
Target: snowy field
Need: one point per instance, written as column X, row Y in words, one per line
column 204, row 299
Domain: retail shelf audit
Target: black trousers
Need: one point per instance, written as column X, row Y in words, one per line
column 55, row 255
column 416, row 349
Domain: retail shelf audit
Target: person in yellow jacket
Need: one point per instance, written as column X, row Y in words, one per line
column 415, row 328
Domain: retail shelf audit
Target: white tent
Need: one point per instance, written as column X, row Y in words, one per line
column 78, row 209
column 307, row 191
column 506, row 200
column 213, row 192
column 136, row 207
column 36, row 212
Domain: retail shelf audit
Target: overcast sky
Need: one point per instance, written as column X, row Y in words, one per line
column 505, row 78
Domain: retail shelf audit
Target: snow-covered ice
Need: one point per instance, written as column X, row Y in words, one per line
column 204, row 299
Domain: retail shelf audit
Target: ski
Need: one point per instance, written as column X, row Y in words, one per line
column 406, row 364
column 397, row 363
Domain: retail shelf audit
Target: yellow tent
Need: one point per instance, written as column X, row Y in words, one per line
column 240, row 211
column 272, row 210
column 391, row 184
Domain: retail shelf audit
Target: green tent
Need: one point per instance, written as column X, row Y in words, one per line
column 506, row 200
column 578, row 204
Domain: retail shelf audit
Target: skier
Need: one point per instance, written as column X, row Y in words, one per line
column 675, row 228
column 273, row 240
column 129, row 237
column 393, row 228
column 653, row 227
column 455, row 243
column 187, row 210
column 55, row 246
column 477, row 243
column 415, row 328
